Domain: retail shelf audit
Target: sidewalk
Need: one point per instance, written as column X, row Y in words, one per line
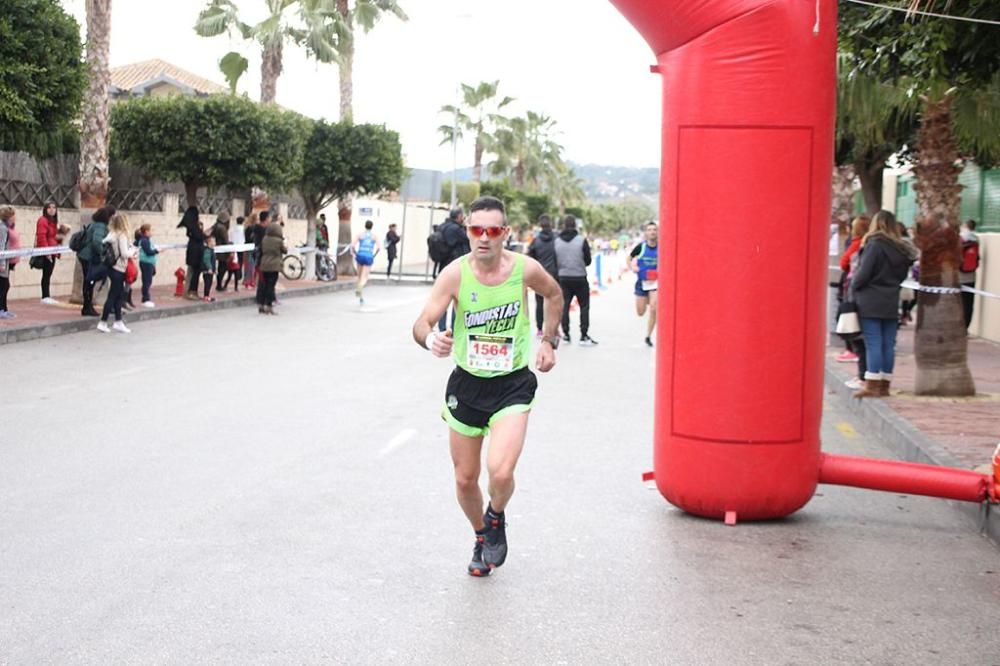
column 35, row 320
column 953, row 432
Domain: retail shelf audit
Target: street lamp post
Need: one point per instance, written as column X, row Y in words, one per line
column 454, row 159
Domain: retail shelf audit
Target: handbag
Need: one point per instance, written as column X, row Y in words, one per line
column 848, row 324
column 37, row 262
column 131, row 271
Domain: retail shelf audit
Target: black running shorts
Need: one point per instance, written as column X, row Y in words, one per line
column 472, row 404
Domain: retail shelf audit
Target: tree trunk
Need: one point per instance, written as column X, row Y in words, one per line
column 870, row 174
column 345, row 263
column 842, row 199
column 477, row 167
column 94, row 122
column 191, row 193
column 519, row 175
column 270, row 70
column 940, row 345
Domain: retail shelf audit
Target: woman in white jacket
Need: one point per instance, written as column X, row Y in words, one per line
column 121, row 248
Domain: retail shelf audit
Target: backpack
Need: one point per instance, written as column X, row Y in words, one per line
column 970, row 256
column 79, row 239
column 109, row 254
column 437, row 246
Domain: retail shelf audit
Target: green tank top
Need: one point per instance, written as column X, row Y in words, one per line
column 492, row 331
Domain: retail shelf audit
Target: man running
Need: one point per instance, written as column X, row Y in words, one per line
column 491, row 389
column 642, row 261
column 365, row 249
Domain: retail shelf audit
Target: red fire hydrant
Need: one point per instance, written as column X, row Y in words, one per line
column 179, row 274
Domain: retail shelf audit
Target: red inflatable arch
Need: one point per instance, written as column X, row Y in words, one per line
column 748, row 120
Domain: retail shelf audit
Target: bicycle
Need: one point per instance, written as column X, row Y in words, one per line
column 293, row 267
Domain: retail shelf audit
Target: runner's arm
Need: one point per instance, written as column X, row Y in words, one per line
column 442, row 294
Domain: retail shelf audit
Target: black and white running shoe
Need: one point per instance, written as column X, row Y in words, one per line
column 477, row 567
column 495, row 544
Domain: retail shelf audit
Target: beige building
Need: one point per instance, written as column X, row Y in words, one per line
column 156, row 78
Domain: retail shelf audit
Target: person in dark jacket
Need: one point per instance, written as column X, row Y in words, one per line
column 272, row 250
column 90, row 257
column 220, row 232
column 457, row 239
column 883, row 265
column 259, row 231
column 543, row 250
column 391, row 241
column 191, row 223
column 573, row 257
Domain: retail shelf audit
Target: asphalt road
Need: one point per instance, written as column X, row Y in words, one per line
column 233, row 488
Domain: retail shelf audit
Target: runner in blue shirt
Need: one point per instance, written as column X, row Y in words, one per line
column 643, row 262
column 365, row 249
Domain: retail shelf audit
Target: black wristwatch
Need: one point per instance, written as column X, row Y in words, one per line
column 552, row 340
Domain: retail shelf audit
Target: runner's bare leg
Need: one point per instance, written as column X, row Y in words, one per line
column 506, row 443
column 465, row 456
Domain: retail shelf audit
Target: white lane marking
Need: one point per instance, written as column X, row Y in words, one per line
column 402, row 438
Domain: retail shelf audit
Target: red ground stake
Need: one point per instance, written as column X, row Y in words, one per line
column 901, row 477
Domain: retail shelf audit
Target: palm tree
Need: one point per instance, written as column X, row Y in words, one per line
column 95, row 121
column 96, row 113
column 524, row 146
column 364, row 13
column 564, row 186
column 479, row 114
column 315, row 29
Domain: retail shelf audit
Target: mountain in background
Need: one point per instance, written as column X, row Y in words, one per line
column 606, row 184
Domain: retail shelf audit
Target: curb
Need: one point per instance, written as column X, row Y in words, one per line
column 910, row 445
column 78, row 325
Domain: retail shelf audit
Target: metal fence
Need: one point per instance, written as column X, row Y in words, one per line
column 20, row 193
column 136, row 200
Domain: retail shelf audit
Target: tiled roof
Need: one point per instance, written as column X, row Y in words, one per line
column 128, row 77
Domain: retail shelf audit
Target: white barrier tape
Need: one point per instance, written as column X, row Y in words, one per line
column 916, row 286
column 35, row 252
column 242, row 247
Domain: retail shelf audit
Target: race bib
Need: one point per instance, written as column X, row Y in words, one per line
column 490, row 352
column 649, row 284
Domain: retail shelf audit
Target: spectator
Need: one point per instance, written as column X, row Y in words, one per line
column 195, row 249
column 883, row 265
column 120, row 249
column 259, row 230
column 391, row 241
column 856, row 345
column 456, row 238
column 220, row 233
column 573, row 257
column 249, row 261
column 543, row 250
column 6, row 219
column 859, row 227
column 234, row 268
column 46, row 231
column 90, row 257
column 970, row 260
column 208, row 267
column 147, row 263
column 322, row 234
column 272, row 251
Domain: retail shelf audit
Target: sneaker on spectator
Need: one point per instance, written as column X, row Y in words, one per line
column 48, row 300
column 854, row 384
column 6, row 315
column 120, row 327
column 102, row 326
column 847, row 357
column 148, row 304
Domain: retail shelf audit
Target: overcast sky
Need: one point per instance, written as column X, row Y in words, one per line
column 577, row 61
